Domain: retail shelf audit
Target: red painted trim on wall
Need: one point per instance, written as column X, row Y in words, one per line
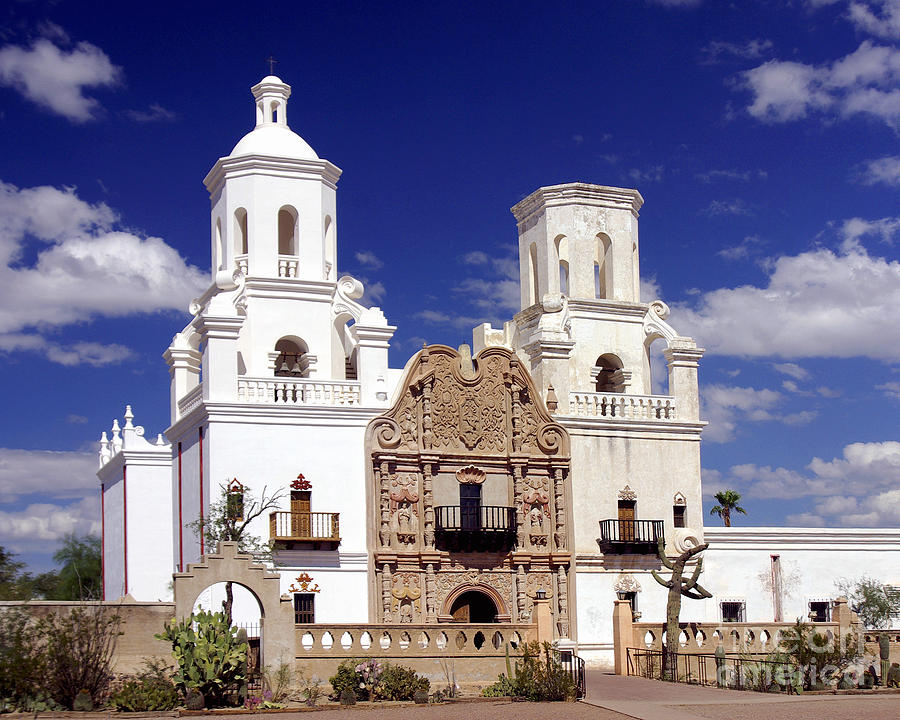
column 125, row 526
column 202, row 543
column 180, row 521
column 102, row 541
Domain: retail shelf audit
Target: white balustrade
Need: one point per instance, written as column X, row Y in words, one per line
column 190, row 401
column 287, row 266
column 296, row 391
column 621, row 407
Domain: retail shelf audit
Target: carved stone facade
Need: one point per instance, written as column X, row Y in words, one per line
column 463, row 426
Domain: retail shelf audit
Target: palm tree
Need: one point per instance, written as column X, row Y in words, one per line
column 728, row 501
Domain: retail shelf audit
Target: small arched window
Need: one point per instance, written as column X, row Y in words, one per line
column 287, row 231
column 562, row 255
column 679, row 508
column 220, row 245
column 292, row 360
column 603, row 268
column 240, row 231
column 608, row 373
column 533, row 274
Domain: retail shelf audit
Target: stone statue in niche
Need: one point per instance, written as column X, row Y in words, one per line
column 538, row 502
column 408, row 427
column 405, row 524
column 536, row 518
column 404, row 496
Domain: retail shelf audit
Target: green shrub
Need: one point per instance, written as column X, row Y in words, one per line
column 78, row 646
column 397, row 682
column 345, row 677
column 208, row 656
column 21, row 659
column 151, row 689
column 535, row 679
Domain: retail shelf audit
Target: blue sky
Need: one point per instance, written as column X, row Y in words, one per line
column 762, row 135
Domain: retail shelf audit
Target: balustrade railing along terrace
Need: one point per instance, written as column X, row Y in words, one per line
column 622, row 407
column 291, row 391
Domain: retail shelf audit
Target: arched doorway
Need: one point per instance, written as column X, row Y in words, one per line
column 474, row 606
column 246, row 614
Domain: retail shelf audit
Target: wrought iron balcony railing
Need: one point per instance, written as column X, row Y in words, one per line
column 306, row 527
column 630, row 536
column 475, row 528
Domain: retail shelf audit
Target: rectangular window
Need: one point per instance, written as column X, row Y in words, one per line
column 819, row 611
column 470, row 506
column 734, row 611
column 678, row 511
column 304, row 608
column 632, row 598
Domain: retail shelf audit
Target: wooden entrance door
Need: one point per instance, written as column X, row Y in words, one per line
column 300, row 518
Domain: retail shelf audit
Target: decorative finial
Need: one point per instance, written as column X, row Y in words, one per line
column 129, row 416
column 552, row 399
column 272, row 63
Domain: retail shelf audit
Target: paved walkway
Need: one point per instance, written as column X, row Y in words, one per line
column 652, row 700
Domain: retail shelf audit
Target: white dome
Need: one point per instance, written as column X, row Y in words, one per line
column 275, row 140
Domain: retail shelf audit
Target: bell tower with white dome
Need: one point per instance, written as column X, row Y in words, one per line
column 273, row 199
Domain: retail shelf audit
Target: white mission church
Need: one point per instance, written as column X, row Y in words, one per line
column 470, row 482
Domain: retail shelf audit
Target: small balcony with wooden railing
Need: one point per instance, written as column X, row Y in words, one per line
column 319, row 530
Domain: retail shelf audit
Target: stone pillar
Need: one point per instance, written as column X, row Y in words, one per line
column 542, row 616
column 372, row 343
column 219, row 356
column 184, row 372
column 623, row 635
column 550, row 366
column 683, row 358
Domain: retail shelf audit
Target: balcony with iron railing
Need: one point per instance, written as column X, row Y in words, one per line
column 307, row 528
column 630, row 536
column 475, row 527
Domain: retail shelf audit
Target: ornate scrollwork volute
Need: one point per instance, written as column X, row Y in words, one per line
column 552, row 439
column 386, row 433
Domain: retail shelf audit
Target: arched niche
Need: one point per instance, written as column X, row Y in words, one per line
column 287, row 231
column 603, row 267
column 293, row 358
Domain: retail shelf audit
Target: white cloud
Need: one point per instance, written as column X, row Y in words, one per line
column 56, row 475
column 805, row 520
column 155, row 113
column 650, row 174
column 741, row 250
column 858, row 488
column 56, row 79
column 792, row 370
column 369, row 259
column 31, row 529
column 891, row 389
column 76, row 419
column 867, row 81
column 884, row 170
column 884, row 229
column 727, row 207
column 476, row 257
column 724, row 406
column 819, row 303
column 498, row 293
column 747, row 50
column 877, row 17
column 85, row 268
column 735, row 175
column 70, row 354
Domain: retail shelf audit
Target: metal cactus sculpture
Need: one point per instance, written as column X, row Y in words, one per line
column 679, row 586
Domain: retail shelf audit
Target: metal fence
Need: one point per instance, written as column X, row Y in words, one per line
column 737, row 673
column 574, row 665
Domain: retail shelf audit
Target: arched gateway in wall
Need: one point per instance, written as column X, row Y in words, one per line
column 469, row 500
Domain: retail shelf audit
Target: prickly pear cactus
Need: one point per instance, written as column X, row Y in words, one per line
column 208, row 655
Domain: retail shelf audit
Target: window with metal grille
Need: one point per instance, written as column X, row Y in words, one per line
column 304, row 608
column 678, row 512
column 819, row 610
column 733, row 611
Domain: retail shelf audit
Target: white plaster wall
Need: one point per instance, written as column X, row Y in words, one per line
column 812, row 560
column 272, row 452
column 605, row 331
column 150, row 542
column 653, row 465
column 113, row 532
column 190, row 496
column 343, row 595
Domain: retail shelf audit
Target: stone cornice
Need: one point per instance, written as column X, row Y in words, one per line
column 647, row 429
column 601, row 309
column 227, row 168
column 265, row 414
column 796, row 538
column 577, row 194
column 289, row 288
